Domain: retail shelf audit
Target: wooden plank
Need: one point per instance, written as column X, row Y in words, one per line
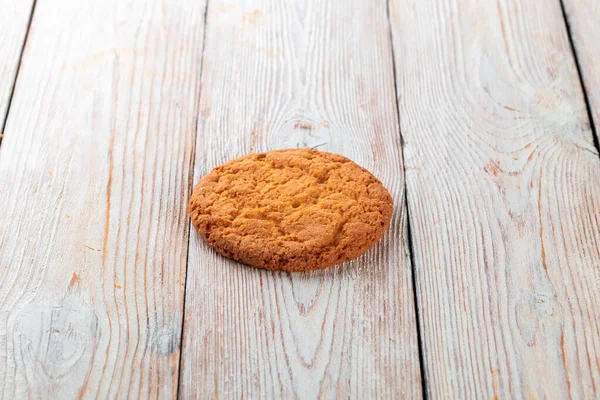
column 503, row 186
column 14, row 20
column 583, row 17
column 301, row 74
column 95, row 174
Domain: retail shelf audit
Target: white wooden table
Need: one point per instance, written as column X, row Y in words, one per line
column 480, row 116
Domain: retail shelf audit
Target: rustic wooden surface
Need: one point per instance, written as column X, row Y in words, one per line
column 503, row 185
column 277, row 75
column 119, row 106
column 94, row 170
column 14, row 20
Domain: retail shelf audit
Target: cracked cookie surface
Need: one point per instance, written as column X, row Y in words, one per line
column 291, row 210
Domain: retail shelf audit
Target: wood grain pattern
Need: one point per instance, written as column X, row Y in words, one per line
column 503, row 188
column 14, row 18
column 94, row 180
column 280, row 74
column 583, row 17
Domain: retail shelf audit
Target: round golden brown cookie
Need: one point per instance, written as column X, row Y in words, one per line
column 291, row 210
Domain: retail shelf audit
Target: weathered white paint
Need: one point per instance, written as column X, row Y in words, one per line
column 282, row 74
column 94, row 183
column 14, row 18
column 503, row 188
column 503, row 184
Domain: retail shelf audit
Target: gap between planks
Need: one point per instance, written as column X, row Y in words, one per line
column 191, row 187
column 409, row 237
column 584, row 88
column 16, row 76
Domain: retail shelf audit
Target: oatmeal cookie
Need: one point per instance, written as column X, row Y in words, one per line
column 291, row 210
